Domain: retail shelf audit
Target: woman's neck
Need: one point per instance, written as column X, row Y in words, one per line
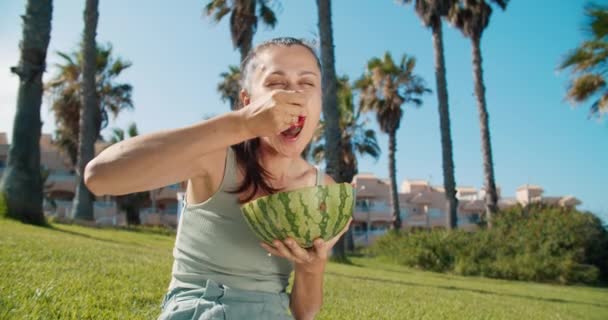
column 282, row 169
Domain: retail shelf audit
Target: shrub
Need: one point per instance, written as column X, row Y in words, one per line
column 536, row 243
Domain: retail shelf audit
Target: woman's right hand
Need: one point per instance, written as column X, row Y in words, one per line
column 274, row 112
column 153, row 160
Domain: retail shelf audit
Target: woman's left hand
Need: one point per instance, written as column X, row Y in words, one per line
column 311, row 260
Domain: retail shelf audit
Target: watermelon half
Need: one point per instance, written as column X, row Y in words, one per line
column 303, row 214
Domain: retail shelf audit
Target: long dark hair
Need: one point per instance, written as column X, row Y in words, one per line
column 248, row 152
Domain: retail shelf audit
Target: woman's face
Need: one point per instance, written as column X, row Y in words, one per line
column 288, row 68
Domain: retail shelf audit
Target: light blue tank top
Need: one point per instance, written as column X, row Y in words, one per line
column 214, row 242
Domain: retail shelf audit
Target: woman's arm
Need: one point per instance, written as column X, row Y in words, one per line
column 307, row 292
column 158, row 159
column 154, row 160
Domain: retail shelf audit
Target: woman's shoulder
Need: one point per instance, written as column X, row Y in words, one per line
column 316, row 170
column 327, row 179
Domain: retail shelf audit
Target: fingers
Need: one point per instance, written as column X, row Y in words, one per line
column 290, row 119
column 347, row 225
column 300, row 253
column 289, row 250
column 292, row 102
column 296, row 98
column 270, row 249
column 290, row 116
column 295, row 110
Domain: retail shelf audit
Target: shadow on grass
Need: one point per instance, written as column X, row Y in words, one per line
column 84, row 235
column 406, row 283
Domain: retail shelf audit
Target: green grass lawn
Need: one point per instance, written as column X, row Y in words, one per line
column 73, row 272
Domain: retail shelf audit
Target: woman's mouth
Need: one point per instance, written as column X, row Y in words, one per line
column 293, row 132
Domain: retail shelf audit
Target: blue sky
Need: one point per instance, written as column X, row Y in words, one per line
column 537, row 137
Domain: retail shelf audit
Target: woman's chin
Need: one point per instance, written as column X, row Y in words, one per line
column 290, row 146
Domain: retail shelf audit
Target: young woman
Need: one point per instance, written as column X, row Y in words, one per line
column 221, row 270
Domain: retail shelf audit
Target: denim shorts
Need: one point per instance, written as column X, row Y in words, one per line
column 216, row 301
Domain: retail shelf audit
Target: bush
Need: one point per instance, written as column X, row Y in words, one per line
column 538, row 243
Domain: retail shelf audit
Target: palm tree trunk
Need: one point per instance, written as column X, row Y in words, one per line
column 484, row 126
column 330, row 102
column 349, row 165
column 247, row 43
column 449, row 181
column 392, row 171
column 22, row 184
column 246, row 47
column 83, row 205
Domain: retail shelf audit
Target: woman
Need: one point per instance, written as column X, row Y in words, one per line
column 221, row 270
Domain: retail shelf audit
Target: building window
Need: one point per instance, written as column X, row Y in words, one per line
column 171, row 208
column 363, row 204
column 435, row 213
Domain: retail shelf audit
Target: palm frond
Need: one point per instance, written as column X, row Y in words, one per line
column 267, row 14
column 585, row 86
column 598, row 20
column 132, row 130
column 117, row 135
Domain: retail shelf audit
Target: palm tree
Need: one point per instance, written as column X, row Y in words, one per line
column 244, row 17
column 22, row 186
column 230, row 86
column 357, row 139
column 431, row 12
column 385, row 87
column 64, row 95
column 588, row 64
column 243, row 25
column 472, row 18
column 330, row 105
column 130, row 203
column 82, row 207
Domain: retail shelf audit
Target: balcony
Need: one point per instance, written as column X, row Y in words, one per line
column 372, row 210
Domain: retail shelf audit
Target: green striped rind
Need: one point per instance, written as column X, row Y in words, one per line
column 253, row 222
column 304, row 214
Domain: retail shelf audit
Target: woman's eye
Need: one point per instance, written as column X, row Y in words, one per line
column 308, row 84
column 276, row 84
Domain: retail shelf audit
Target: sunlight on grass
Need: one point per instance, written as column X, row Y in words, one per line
column 73, row 272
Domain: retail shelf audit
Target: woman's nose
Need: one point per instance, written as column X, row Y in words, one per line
column 291, row 86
